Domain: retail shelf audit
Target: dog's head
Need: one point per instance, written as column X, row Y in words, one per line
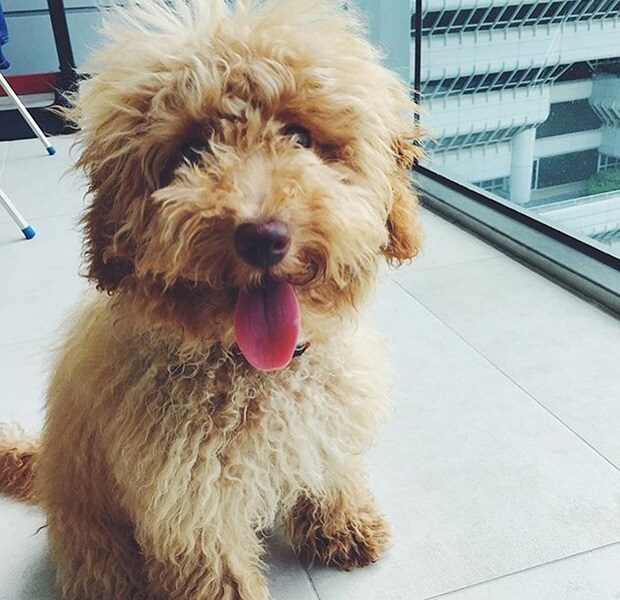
column 246, row 164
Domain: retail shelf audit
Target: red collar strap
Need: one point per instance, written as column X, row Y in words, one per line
column 300, row 349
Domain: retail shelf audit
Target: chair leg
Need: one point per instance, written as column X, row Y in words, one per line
column 27, row 230
column 27, row 117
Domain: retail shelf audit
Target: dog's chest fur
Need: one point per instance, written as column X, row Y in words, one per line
column 264, row 436
column 221, row 434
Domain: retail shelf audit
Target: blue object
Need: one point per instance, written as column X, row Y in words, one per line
column 4, row 38
column 51, row 150
column 29, row 232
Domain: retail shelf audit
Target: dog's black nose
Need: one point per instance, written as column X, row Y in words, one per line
column 262, row 244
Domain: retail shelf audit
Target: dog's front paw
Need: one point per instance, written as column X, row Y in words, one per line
column 336, row 537
column 360, row 543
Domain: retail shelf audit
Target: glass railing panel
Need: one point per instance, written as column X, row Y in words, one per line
column 523, row 100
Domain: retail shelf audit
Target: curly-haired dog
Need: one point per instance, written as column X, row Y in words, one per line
column 249, row 167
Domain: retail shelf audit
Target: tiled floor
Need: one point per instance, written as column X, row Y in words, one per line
column 500, row 468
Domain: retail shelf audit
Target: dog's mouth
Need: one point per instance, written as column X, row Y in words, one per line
column 267, row 324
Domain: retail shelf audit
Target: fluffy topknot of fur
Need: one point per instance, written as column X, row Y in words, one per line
column 179, row 22
column 204, row 16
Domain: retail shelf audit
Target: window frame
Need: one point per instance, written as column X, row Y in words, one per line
column 570, row 259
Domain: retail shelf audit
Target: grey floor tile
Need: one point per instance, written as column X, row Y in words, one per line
column 38, row 184
column 476, row 478
column 560, row 349
column 4, row 152
column 591, row 576
column 40, row 279
column 35, row 317
column 444, row 244
column 287, row 580
column 26, row 572
column 48, row 262
column 23, row 374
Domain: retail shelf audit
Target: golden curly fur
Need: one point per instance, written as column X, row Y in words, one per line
column 165, row 454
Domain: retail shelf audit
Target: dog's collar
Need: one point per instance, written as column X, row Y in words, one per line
column 300, row 349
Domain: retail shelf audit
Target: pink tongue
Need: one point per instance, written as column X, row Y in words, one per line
column 267, row 325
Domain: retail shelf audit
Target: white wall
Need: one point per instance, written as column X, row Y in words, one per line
column 474, row 164
column 565, row 144
column 457, row 114
column 610, row 141
column 596, row 214
column 437, row 5
column 517, row 48
column 571, row 90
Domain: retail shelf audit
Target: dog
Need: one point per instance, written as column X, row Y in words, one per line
column 249, row 170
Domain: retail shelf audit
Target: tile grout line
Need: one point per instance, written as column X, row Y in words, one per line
column 306, row 571
column 310, row 580
column 507, row 376
column 525, row 570
column 458, row 263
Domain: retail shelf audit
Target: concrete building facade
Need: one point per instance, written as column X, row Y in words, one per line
column 524, row 99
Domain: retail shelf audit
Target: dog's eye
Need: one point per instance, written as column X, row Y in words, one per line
column 194, row 151
column 300, row 135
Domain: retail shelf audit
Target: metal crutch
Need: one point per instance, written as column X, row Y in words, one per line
column 27, row 117
column 27, row 230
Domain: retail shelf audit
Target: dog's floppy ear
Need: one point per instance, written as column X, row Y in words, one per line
column 402, row 223
column 115, row 212
column 105, row 270
column 116, row 165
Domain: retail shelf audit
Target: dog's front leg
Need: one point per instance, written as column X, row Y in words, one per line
column 342, row 527
column 222, row 563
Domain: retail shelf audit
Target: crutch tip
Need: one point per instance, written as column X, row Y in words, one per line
column 29, row 232
column 51, row 150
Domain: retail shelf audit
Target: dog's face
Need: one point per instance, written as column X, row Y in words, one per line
column 248, row 167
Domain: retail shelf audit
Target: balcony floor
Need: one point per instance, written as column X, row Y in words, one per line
column 499, row 470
